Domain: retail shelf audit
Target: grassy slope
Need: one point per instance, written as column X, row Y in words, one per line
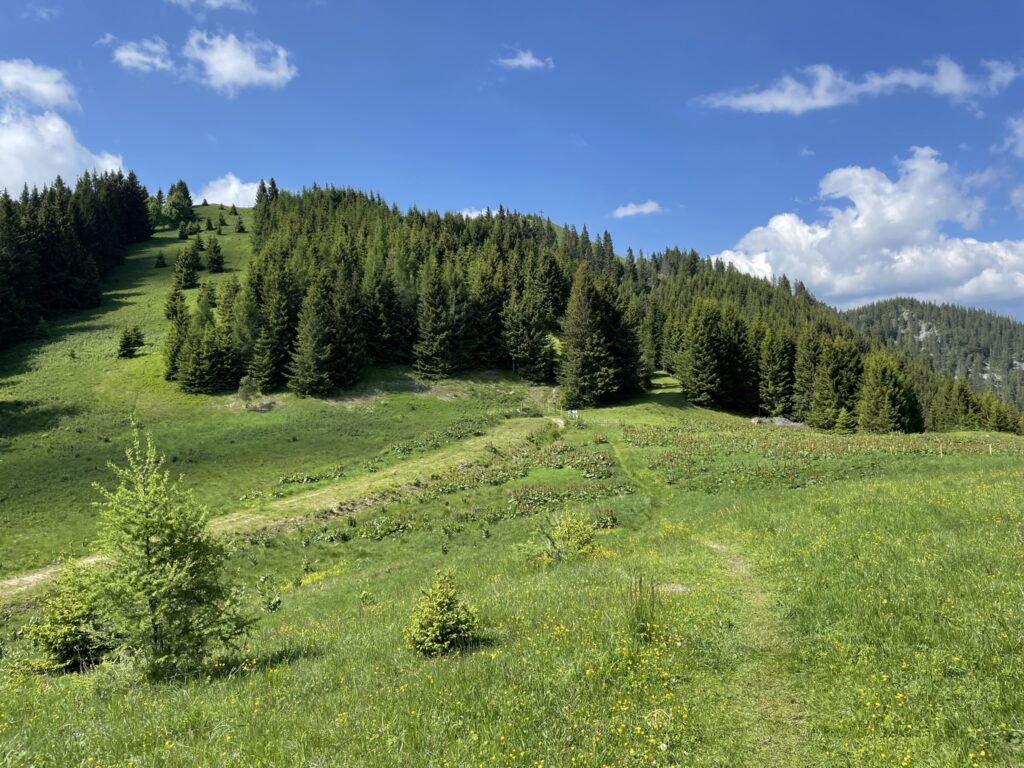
column 62, row 418
column 828, row 600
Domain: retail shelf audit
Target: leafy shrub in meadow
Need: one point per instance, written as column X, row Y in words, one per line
column 569, row 536
column 72, row 631
column 441, row 621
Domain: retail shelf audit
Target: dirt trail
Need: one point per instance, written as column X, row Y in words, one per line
column 291, row 509
column 772, row 701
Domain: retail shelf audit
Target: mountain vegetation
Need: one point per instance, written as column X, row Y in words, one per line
column 983, row 348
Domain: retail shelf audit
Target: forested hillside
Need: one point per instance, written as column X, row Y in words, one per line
column 341, row 280
column 984, row 348
column 57, row 244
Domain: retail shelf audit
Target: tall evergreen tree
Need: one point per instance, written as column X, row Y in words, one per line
column 433, row 353
column 836, row 381
column 587, row 373
column 778, row 356
column 526, row 337
column 885, row 403
column 178, row 205
column 698, row 363
column 311, row 365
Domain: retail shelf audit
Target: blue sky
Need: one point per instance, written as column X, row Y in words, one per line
column 867, row 148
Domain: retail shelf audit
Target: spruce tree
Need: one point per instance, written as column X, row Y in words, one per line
column 587, row 373
column 778, row 355
column 348, row 329
column 166, row 596
column 885, row 402
column 178, row 205
column 433, row 354
column 273, row 342
column 836, row 380
column 699, row 362
column 526, row 337
column 808, row 347
column 186, row 267
column 214, row 256
column 309, row 373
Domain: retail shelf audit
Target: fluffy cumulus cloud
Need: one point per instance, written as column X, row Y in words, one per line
column 230, row 190
column 144, row 55
column 37, row 143
column 821, row 87
column 888, row 239
column 228, row 64
column 27, row 82
column 473, row 213
column 637, row 209
column 34, row 148
column 520, row 59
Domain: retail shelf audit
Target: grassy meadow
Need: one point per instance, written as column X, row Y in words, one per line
column 807, row 599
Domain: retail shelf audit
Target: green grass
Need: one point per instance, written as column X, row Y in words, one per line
column 820, row 600
column 66, row 402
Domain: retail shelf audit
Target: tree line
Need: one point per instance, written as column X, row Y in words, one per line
column 341, row 280
column 985, row 349
column 56, row 245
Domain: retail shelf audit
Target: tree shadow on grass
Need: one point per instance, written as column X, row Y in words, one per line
column 21, row 417
column 239, row 664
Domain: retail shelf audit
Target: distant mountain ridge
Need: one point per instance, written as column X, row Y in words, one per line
column 985, row 348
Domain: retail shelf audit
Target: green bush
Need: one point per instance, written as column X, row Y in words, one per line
column 569, row 536
column 71, row 630
column 441, row 621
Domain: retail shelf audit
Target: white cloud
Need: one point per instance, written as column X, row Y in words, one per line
column 38, row 85
column 888, row 240
column 144, row 55
column 806, row 152
column 37, row 144
column 230, row 190
column 198, row 6
column 1017, row 198
column 1014, row 141
column 36, row 148
column 637, row 209
column 41, row 12
column 521, row 59
column 228, row 64
column 473, row 213
column 821, row 87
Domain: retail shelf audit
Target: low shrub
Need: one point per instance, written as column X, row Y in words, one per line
column 441, row 621
column 71, row 630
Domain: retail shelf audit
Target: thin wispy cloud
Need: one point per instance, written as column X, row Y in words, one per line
column 199, row 6
column 1014, row 141
column 822, row 87
column 527, row 60
column 142, row 55
column 1017, row 198
column 228, row 64
column 637, row 209
column 806, row 152
column 41, row 12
